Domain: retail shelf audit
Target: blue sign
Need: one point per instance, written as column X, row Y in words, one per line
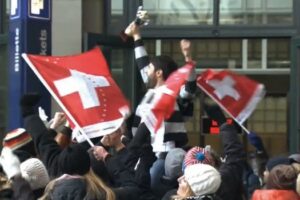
column 31, row 35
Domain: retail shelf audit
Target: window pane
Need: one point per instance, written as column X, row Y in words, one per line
column 180, row 12
column 116, row 12
column 209, row 53
column 6, row 10
column 271, row 116
column 254, row 54
column 256, row 12
column 117, row 64
column 228, row 53
column 118, row 60
column 279, row 53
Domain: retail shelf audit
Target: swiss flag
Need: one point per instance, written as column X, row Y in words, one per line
column 83, row 86
column 236, row 94
column 165, row 97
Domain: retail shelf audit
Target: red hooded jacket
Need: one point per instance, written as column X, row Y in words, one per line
column 275, row 195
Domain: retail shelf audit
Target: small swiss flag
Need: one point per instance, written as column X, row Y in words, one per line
column 236, row 94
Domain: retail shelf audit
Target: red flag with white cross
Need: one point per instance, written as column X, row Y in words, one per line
column 164, row 97
column 83, row 86
column 236, row 94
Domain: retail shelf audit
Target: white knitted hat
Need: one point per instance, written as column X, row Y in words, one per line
column 203, row 178
column 34, row 171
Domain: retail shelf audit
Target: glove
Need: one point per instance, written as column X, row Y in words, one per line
column 28, row 103
column 256, row 141
column 10, row 163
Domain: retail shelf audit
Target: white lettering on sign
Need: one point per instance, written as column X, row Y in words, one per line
column 43, row 42
column 17, row 50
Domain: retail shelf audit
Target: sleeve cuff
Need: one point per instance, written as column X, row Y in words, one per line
column 52, row 132
column 138, row 43
column 66, row 131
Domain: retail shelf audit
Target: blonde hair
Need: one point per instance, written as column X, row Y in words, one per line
column 95, row 188
column 187, row 193
column 48, row 190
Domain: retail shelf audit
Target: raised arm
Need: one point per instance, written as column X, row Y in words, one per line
column 46, row 146
column 141, row 56
column 189, row 89
column 231, row 169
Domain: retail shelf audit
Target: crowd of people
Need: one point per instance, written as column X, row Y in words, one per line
column 41, row 161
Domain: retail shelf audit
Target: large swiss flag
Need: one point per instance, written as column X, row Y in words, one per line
column 236, row 94
column 83, row 86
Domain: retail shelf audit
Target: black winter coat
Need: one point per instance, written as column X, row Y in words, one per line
column 232, row 169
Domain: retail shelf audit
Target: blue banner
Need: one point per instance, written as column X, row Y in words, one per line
column 29, row 32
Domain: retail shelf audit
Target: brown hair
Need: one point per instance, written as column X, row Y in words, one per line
column 282, row 177
column 95, row 188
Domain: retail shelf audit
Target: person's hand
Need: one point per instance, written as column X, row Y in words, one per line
column 100, row 153
column 255, row 140
column 10, row 163
column 185, row 46
column 58, row 119
column 133, row 30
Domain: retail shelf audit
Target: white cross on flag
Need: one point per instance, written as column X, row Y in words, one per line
column 236, row 94
column 83, row 86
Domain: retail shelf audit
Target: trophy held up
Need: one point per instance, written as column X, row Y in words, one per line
column 142, row 19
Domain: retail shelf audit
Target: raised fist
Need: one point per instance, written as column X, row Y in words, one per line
column 185, row 46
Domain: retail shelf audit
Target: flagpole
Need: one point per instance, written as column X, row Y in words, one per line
column 57, row 99
column 244, row 128
column 85, row 135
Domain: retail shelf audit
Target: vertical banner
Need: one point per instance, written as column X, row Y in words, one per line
column 29, row 32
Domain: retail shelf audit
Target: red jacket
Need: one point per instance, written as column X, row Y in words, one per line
column 275, row 195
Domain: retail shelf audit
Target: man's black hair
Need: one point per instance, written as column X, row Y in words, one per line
column 165, row 63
